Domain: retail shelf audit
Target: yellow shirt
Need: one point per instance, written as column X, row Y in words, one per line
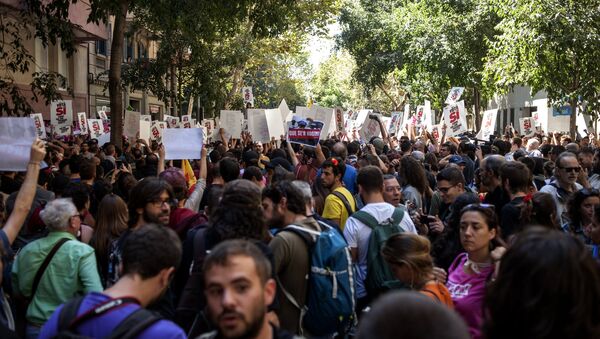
column 335, row 209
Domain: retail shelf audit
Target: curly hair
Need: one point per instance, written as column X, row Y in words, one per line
column 239, row 214
column 533, row 299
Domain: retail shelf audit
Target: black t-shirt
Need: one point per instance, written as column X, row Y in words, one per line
column 511, row 217
column 498, row 198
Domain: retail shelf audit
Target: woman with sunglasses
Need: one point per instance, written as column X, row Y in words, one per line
column 469, row 273
column 410, row 261
column 581, row 214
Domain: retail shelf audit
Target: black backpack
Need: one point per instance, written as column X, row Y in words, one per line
column 129, row 328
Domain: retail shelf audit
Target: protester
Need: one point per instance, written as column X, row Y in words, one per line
column 566, row 173
column 415, row 189
column 339, row 204
column 515, row 180
column 537, row 209
column 581, row 209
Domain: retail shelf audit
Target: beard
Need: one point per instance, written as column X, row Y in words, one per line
column 251, row 327
column 155, row 218
column 277, row 220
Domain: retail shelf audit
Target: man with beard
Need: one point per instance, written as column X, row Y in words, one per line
column 339, row 204
column 145, row 278
column 150, row 202
column 566, row 172
column 284, row 205
column 489, row 173
column 239, row 289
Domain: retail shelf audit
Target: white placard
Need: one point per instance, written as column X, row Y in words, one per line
column 145, row 130
column 61, row 114
column 257, row 125
column 102, row 114
column 131, row 124
column 156, row 131
column 456, row 117
column 231, row 122
column 95, row 127
column 406, row 116
column 274, row 123
column 527, row 126
column 248, row 96
column 285, row 111
column 16, row 137
column 103, row 139
column 38, row 121
column 454, row 95
column 306, row 112
column 182, row 143
column 325, row 114
column 146, row 117
column 488, row 124
column 428, row 116
column 82, row 123
column 370, row 129
column 186, row 117
column 361, row 117
column 395, row 123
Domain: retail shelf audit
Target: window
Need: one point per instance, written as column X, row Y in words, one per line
column 41, row 56
column 101, row 47
column 128, row 50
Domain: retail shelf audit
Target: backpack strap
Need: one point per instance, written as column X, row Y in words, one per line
column 398, row 215
column 134, row 324
column 344, row 201
column 366, row 219
column 68, row 313
column 42, row 269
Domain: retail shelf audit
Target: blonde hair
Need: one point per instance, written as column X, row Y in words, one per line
column 411, row 250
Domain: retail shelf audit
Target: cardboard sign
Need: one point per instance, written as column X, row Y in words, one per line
column 454, row 95
column 61, row 113
column 16, row 137
column 395, row 123
column 248, row 96
column 456, row 119
column 40, row 128
column 145, row 130
column 257, row 125
column 131, row 124
column 156, row 132
column 406, row 116
column 182, row 143
column 82, row 123
column 370, row 129
column 274, row 123
column 146, row 117
column 95, row 127
column 231, row 122
column 488, row 124
column 303, row 131
column 527, row 126
column 284, row 109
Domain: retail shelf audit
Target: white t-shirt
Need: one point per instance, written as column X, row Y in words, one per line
column 357, row 235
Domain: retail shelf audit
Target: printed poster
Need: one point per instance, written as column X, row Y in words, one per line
column 304, row 131
column 456, row 119
column 156, row 132
column 488, row 124
column 248, row 96
column 436, row 132
column 40, row 128
column 339, row 119
column 527, row 126
column 61, row 114
column 102, row 114
column 82, row 123
column 454, row 95
column 95, row 127
column 370, row 128
column 131, row 124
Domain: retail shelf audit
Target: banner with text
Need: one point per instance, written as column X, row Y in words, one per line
column 303, row 131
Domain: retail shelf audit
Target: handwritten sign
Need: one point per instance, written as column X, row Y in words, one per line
column 40, row 128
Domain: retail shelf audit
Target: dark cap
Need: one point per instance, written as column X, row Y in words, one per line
column 250, row 157
column 457, row 159
column 279, row 162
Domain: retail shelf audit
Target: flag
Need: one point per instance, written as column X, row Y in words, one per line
column 188, row 172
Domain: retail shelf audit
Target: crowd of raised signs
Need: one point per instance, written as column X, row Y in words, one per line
column 304, row 236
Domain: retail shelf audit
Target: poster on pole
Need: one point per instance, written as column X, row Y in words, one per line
column 131, row 124
column 231, row 122
column 370, row 128
column 182, row 143
column 102, row 114
column 40, row 128
column 145, row 130
column 156, row 132
column 527, row 126
column 456, row 117
column 257, row 125
column 61, row 116
column 454, row 95
column 488, row 124
column 16, row 137
column 95, row 127
column 82, row 123
column 248, row 96
column 274, row 123
column 304, row 131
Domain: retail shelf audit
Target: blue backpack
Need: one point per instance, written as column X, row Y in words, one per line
column 330, row 299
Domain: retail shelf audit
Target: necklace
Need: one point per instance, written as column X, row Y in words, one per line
column 476, row 266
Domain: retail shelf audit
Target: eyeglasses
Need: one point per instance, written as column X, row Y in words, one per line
column 571, row 169
column 161, row 203
column 445, row 189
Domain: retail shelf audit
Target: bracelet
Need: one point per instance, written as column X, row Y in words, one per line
column 33, row 163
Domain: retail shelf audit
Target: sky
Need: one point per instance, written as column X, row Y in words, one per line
column 321, row 48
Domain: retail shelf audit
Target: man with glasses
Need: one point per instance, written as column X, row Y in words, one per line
column 150, row 202
column 450, row 184
column 565, row 184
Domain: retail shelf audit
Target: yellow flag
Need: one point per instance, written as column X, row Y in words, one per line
column 188, row 172
column 310, row 102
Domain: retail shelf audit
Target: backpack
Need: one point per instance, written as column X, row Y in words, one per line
column 330, row 302
column 128, row 328
column 379, row 275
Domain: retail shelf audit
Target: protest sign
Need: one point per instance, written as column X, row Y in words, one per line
column 306, row 112
column 455, row 116
column 156, row 132
column 406, row 116
column 339, row 119
column 353, row 115
column 172, row 122
column 527, row 127
column 38, row 121
column 61, row 114
column 326, row 116
column 395, row 123
column 284, row 109
column 303, row 131
column 82, row 123
column 145, row 130
column 274, row 123
column 257, row 125
column 103, row 139
column 488, row 124
column 428, row 115
column 16, row 137
column 131, row 124
column 436, row 131
column 370, row 128
column 186, row 117
column 248, row 96
column 146, row 117
column 209, row 124
column 361, row 117
column 454, row 95
column 231, row 122
column 102, row 114
column 182, row 143
column 95, row 127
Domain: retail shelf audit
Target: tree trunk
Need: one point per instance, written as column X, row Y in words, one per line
column 395, row 106
column 573, row 120
column 477, row 103
column 114, row 75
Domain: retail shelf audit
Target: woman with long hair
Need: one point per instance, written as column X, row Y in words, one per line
column 410, row 261
column 110, row 225
column 581, row 213
column 469, row 273
column 537, row 209
column 415, row 187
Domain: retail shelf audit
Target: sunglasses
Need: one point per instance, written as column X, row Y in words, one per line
column 478, row 207
column 571, row 169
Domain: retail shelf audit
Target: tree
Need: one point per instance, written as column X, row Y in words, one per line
column 549, row 45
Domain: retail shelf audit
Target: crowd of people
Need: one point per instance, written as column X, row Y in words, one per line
column 384, row 238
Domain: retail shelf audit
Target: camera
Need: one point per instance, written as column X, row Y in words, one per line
column 373, row 116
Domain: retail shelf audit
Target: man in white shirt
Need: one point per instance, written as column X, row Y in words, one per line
column 357, row 234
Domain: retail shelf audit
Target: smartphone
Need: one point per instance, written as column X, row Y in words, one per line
column 119, row 163
column 424, row 219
